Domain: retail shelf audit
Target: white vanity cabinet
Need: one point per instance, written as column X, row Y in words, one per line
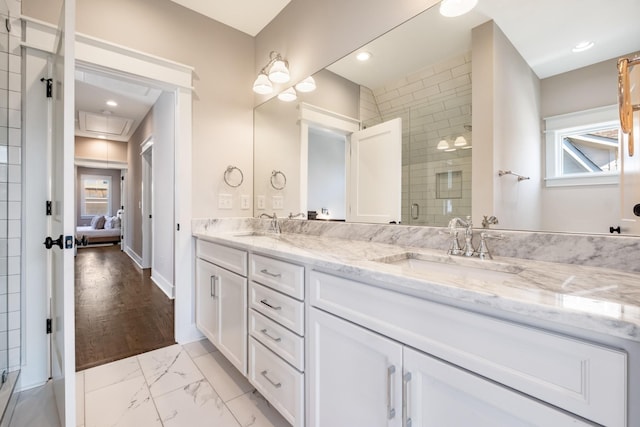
column 221, row 299
column 276, row 329
column 376, row 382
column 379, row 355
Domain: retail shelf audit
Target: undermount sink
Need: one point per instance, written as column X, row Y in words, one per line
column 257, row 234
column 459, row 268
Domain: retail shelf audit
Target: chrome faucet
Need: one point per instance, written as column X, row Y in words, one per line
column 275, row 225
column 468, row 249
column 300, row 214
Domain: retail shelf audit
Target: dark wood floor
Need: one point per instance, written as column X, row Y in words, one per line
column 120, row 312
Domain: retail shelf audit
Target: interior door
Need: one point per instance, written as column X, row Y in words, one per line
column 375, row 174
column 630, row 175
column 61, row 221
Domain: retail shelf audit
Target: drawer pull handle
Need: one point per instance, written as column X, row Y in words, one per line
column 268, row 273
column 273, row 383
column 276, row 339
column 391, row 411
column 272, row 307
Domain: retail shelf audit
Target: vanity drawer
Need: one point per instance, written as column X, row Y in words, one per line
column 584, row 378
column 281, row 384
column 283, row 309
column 280, row 340
column 230, row 258
column 280, row 275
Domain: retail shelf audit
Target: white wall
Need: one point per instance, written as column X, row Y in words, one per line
column 588, row 208
column 506, row 132
column 163, row 192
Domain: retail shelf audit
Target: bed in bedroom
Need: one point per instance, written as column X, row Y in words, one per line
column 103, row 229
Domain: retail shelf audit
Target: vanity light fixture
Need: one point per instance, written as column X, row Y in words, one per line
column 363, row 56
column 453, row 8
column 443, row 145
column 276, row 70
column 288, row 95
column 307, row 85
column 582, row 46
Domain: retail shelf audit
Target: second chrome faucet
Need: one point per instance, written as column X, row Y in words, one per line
column 468, row 250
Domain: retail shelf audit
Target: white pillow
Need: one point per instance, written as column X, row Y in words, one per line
column 108, row 223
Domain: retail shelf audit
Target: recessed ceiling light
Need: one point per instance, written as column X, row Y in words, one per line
column 453, row 8
column 112, row 103
column 102, row 137
column 582, row 46
column 363, row 56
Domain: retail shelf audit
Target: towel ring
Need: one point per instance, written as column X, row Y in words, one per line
column 228, row 173
column 274, row 176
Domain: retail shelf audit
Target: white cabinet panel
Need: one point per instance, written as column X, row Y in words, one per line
column 230, row 258
column 281, row 308
column 281, row 384
column 206, row 303
column 221, row 307
column 279, row 275
column 280, row 340
column 583, row 378
column 439, row 394
column 354, row 375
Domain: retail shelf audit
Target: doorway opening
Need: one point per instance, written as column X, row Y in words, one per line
column 122, row 306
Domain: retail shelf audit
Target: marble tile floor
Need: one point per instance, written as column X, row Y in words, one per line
column 177, row 386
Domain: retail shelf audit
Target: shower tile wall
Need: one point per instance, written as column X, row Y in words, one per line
column 434, row 103
column 11, row 185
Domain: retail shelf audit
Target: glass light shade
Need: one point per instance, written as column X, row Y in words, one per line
column 460, row 141
column 279, row 72
column 288, row 95
column 452, row 8
column 448, row 150
column 262, row 85
column 307, row 85
column 443, row 145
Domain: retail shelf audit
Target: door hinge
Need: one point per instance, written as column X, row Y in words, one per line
column 122, row 178
column 48, row 326
column 178, row 227
column 48, row 208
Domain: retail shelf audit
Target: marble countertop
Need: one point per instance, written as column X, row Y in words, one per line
column 591, row 298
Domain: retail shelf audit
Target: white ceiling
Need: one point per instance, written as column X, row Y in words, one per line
column 248, row 16
column 543, row 32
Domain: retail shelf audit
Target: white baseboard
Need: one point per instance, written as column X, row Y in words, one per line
column 134, row 256
column 163, row 284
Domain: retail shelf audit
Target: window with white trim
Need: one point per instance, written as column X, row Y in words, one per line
column 582, row 148
column 95, row 193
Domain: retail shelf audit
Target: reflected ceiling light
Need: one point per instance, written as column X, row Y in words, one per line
column 443, row 145
column 453, row 8
column 112, row 103
column 363, row 56
column 262, row 85
column 460, row 141
column 582, row 46
column 307, row 85
column 288, row 95
column 276, row 70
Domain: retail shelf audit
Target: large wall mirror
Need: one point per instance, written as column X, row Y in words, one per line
column 477, row 96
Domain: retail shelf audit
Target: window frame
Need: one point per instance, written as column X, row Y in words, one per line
column 557, row 126
column 83, row 177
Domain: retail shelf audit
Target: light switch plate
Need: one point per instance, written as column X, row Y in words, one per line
column 261, row 202
column 277, row 202
column 225, row 201
column 244, row 201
